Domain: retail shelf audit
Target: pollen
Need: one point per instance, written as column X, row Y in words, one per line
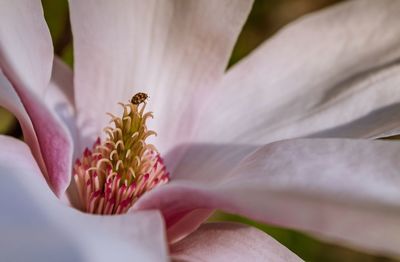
column 111, row 176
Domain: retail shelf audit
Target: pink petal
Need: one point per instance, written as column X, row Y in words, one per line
column 42, row 130
column 26, row 58
column 343, row 191
column 35, row 226
column 230, row 242
column 186, row 223
column 173, row 50
column 9, row 99
column 59, row 97
column 334, row 72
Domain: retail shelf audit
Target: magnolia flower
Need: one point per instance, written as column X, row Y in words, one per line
column 331, row 77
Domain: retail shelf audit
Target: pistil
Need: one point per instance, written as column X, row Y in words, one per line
column 112, row 175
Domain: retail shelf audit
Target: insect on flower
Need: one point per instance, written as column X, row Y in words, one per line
column 139, row 98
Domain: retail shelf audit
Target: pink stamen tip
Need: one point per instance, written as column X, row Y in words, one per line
column 97, row 193
column 87, row 152
column 125, row 203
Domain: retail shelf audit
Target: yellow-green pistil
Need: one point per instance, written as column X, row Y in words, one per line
column 115, row 173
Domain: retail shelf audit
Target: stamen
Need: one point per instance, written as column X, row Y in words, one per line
column 114, row 174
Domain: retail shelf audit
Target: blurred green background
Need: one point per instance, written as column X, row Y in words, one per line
column 266, row 18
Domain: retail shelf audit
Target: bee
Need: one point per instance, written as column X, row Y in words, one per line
column 139, row 98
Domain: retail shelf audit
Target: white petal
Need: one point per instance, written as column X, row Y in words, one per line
column 230, row 242
column 35, row 226
column 173, row 50
column 334, row 72
column 343, row 191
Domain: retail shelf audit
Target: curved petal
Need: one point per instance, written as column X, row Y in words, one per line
column 26, row 58
column 173, row 50
column 34, row 221
column 46, row 136
column 186, row 223
column 230, row 242
column 334, row 73
column 9, row 99
column 345, row 191
column 26, row 51
column 60, row 92
column 59, row 96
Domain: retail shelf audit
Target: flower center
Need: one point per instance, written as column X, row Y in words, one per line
column 112, row 176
